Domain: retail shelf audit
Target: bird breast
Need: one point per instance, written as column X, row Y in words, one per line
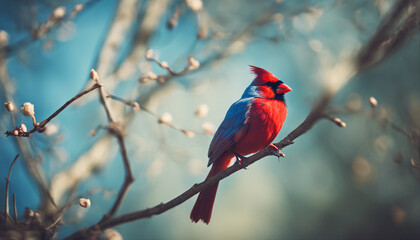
column 265, row 119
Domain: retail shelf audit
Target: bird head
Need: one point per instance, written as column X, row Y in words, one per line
column 266, row 85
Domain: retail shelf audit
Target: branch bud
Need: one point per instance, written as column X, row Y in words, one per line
column 111, row 234
column 136, row 106
column 195, row 5
column 78, row 8
column 9, row 106
column 23, row 128
column 94, row 75
column 164, row 65
column 174, row 19
column 29, row 213
column 149, row 54
column 373, row 102
column 414, row 163
column 339, row 122
column 193, row 63
column 58, row 13
column 188, row 133
column 28, row 109
column 84, row 202
column 166, row 118
column 151, row 75
column 4, row 38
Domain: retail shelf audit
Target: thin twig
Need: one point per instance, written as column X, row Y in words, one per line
column 15, row 208
column 384, row 40
column 46, row 121
column 155, row 115
column 115, row 128
column 6, row 202
column 57, row 220
column 34, row 36
column 128, row 180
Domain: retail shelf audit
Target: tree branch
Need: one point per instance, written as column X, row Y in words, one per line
column 6, row 201
column 41, row 125
column 115, row 129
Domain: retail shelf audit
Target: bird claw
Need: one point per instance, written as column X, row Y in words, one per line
column 239, row 159
column 274, row 150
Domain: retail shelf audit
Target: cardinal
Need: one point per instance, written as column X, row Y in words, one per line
column 250, row 125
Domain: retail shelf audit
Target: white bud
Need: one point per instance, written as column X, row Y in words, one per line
column 84, row 202
column 23, row 128
column 166, row 118
column 111, row 234
column 28, row 109
column 339, row 122
column 136, row 107
column 373, row 102
column 51, row 129
column 414, row 163
column 151, row 75
column 58, row 13
column 202, row 110
column 9, row 106
column 149, row 54
column 188, row 133
column 164, row 64
column 193, row 63
column 94, row 75
column 78, row 8
column 29, row 213
column 195, row 5
column 4, row 38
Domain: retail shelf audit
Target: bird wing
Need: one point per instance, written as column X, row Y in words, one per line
column 231, row 130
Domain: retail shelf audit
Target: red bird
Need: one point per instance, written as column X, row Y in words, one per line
column 250, row 125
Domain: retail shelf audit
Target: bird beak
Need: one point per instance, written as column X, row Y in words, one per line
column 283, row 88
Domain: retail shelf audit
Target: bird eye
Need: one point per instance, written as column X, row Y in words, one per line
column 269, row 84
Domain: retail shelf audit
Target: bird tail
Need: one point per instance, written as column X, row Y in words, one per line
column 204, row 204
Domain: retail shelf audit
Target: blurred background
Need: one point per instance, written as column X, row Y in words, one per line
column 357, row 182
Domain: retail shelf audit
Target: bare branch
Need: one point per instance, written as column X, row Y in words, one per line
column 386, row 38
column 6, row 201
column 40, row 126
column 56, row 19
column 115, row 129
column 160, row 120
column 15, row 208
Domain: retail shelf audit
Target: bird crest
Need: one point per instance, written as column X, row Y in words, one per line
column 262, row 75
